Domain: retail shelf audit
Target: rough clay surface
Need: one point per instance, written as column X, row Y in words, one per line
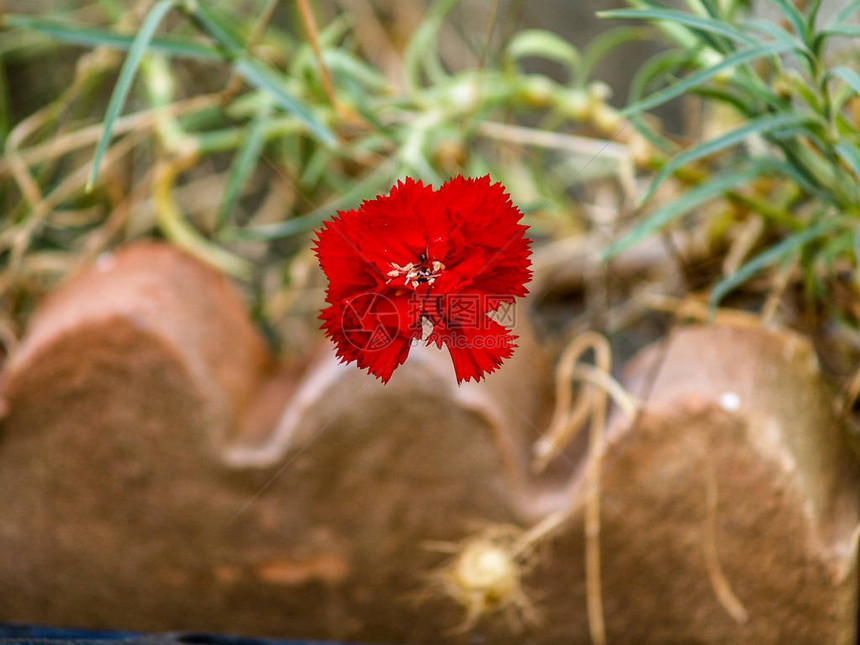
column 160, row 472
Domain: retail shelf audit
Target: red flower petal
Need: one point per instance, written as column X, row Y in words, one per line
column 495, row 258
column 475, row 351
column 372, row 330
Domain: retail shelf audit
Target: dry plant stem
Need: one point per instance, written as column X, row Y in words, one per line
column 783, row 278
column 594, row 598
column 692, row 309
column 90, row 135
column 628, row 404
column 310, row 26
column 717, row 578
column 543, row 139
column 541, row 531
column 565, row 424
column 568, row 417
column 8, row 334
column 53, row 111
column 852, row 391
column 587, row 146
column 560, row 433
column 175, row 228
column 750, row 232
column 26, row 183
column 19, row 237
column 101, row 237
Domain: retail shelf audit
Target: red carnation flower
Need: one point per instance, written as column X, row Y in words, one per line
column 449, row 257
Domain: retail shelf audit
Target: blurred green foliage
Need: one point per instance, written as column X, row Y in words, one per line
column 789, row 152
column 233, row 132
column 174, row 91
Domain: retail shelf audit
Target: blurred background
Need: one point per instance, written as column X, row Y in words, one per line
column 674, row 167
column 412, row 88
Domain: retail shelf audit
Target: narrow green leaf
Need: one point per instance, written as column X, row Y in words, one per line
column 738, row 58
column 652, row 136
column 422, row 52
column 812, row 16
column 199, row 13
column 543, row 44
column 717, row 43
column 255, row 73
column 851, row 156
column 369, row 186
column 333, row 33
column 264, row 79
column 760, row 125
column 792, row 133
column 769, row 257
column 75, row 34
column 758, row 90
column 845, row 13
column 712, row 8
column 246, row 160
column 696, row 22
column 601, row 45
column 793, row 15
column 699, row 195
column 850, row 31
column 790, row 171
column 345, row 66
column 661, row 63
column 126, row 76
column 777, row 33
column 848, row 75
column 738, row 101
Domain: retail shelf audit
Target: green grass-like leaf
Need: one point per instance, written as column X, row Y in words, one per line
column 376, row 181
column 422, row 52
column 771, row 256
column 661, row 63
column 851, row 156
column 760, row 125
column 255, row 73
column 849, row 31
column 126, row 76
column 74, row 34
column 851, row 77
column 845, row 13
column 543, row 44
column 264, row 79
column 738, row 58
column 244, row 163
column 603, row 44
column 776, row 32
column 696, row 22
column 792, row 15
column 663, row 216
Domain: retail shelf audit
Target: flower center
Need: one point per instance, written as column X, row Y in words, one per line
column 415, row 274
